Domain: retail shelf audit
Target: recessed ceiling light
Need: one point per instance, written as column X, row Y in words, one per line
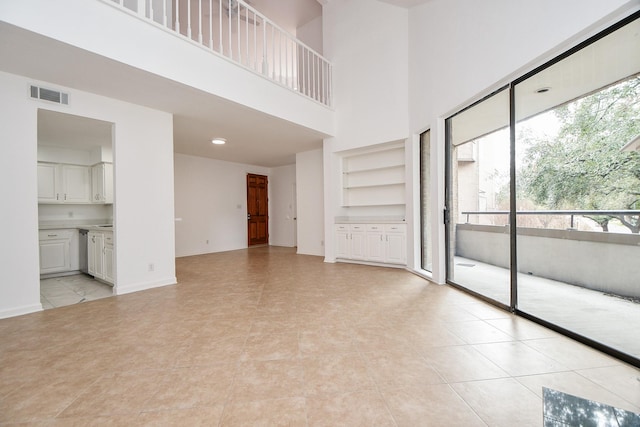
column 218, row 141
column 543, row 90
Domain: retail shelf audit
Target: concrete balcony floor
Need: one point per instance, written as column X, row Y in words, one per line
column 608, row 319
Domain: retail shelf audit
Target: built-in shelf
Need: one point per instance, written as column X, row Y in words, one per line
column 382, row 168
column 353, row 187
column 372, row 205
column 375, row 177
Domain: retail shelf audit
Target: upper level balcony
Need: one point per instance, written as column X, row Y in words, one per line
column 211, row 63
column 237, row 31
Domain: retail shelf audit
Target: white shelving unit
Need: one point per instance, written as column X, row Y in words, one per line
column 375, row 177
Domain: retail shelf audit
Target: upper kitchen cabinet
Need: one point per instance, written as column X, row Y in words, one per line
column 102, row 183
column 61, row 183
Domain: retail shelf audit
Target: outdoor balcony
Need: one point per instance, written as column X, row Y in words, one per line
column 583, row 281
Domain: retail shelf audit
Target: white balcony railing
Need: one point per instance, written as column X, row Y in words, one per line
column 237, row 31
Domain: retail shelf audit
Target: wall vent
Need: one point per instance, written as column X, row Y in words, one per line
column 49, row 95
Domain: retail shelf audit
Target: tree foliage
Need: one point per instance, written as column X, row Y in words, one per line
column 583, row 167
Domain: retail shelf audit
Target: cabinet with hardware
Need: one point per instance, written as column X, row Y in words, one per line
column 102, row 183
column 58, row 251
column 100, row 255
column 61, row 183
column 376, row 243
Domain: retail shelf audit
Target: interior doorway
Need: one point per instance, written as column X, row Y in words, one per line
column 75, row 208
column 257, row 209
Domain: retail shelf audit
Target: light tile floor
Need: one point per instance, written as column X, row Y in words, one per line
column 265, row 337
column 68, row 290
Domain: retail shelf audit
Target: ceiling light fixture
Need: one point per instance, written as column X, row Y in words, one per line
column 218, row 141
column 543, row 90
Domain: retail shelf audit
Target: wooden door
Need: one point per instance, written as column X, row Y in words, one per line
column 257, row 209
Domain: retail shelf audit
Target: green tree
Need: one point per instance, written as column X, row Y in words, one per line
column 583, row 167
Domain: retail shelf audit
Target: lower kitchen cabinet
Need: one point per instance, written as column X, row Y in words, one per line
column 56, row 250
column 379, row 243
column 100, row 255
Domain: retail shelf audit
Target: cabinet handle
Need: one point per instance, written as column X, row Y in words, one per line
column 52, row 235
column 65, row 196
column 381, row 237
column 57, row 196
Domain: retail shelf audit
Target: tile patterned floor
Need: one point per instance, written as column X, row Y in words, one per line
column 68, row 290
column 265, row 337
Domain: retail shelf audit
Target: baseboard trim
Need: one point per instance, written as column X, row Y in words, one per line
column 137, row 287
column 19, row 311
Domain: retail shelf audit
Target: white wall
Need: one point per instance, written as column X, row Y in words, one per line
column 311, row 34
column 211, row 204
column 282, row 194
column 367, row 43
column 143, row 212
column 310, row 200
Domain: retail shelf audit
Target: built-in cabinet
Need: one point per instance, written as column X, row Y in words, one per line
column 60, row 183
column 100, row 255
column 58, row 251
column 379, row 243
column 102, row 183
column 75, row 184
column 375, row 177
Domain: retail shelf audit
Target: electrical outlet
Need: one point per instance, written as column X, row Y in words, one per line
column 151, row 266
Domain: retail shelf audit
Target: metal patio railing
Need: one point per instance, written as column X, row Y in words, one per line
column 571, row 213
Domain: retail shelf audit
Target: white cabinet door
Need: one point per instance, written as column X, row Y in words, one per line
column 342, row 241
column 108, row 263
column 54, row 256
column 358, row 245
column 77, row 184
column 375, row 243
column 396, row 244
column 107, row 255
column 95, row 254
column 55, row 250
column 102, row 183
column 48, row 183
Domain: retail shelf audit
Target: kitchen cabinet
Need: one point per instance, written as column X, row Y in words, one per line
column 377, row 243
column 102, row 183
column 61, row 183
column 58, row 251
column 100, row 255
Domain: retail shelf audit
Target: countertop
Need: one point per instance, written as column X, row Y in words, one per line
column 98, row 225
column 369, row 220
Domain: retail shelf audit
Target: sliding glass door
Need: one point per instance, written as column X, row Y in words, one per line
column 543, row 193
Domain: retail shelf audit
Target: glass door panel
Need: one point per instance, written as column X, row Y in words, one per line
column 478, row 171
column 578, row 191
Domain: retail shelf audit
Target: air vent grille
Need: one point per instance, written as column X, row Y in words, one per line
column 49, row 95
